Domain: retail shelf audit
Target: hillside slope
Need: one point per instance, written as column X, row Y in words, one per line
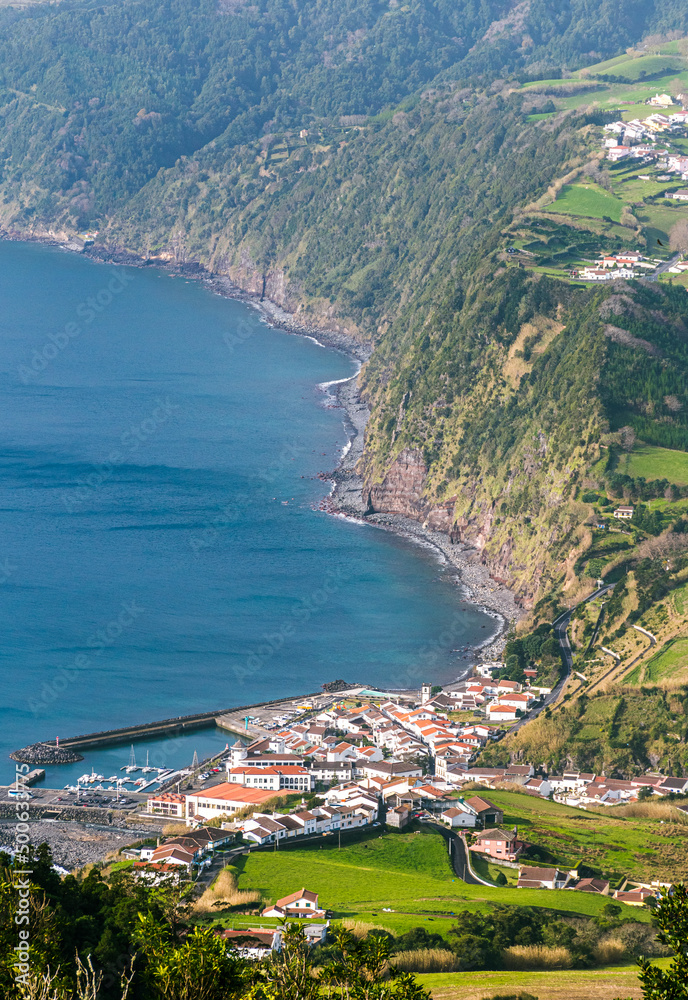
column 361, row 165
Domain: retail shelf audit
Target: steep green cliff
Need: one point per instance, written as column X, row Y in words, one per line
column 362, row 165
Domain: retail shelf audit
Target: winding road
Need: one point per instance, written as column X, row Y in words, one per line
column 560, row 626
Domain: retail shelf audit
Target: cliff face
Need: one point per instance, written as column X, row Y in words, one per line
column 402, row 492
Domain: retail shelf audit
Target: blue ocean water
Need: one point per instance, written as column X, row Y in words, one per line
column 161, row 550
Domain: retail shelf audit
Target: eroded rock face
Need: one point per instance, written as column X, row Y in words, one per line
column 401, row 491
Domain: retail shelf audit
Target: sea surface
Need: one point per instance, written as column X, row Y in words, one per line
column 161, row 547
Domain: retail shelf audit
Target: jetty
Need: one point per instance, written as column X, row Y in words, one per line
column 67, row 750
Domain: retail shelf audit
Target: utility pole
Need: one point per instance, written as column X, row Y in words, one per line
column 340, row 839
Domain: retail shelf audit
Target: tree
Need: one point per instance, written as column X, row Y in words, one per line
column 672, row 920
column 362, row 971
column 197, row 969
column 678, row 237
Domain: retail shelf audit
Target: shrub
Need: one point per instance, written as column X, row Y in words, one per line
column 360, row 929
column 512, row 996
column 609, row 952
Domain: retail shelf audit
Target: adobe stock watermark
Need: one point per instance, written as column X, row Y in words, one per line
column 301, row 613
column 86, row 312
column 101, row 640
column 21, row 878
column 432, row 653
column 235, row 338
column 130, row 440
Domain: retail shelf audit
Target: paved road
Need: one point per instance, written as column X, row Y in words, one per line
column 663, row 267
column 457, row 853
column 560, row 626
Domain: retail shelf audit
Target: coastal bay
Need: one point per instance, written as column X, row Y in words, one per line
column 160, row 520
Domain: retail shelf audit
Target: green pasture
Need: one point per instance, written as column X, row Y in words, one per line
column 612, row 845
column 610, row 94
column 679, row 599
column 588, row 200
column 668, row 663
column 408, row 873
column 489, row 871
column 651, row 462
column 635, row 70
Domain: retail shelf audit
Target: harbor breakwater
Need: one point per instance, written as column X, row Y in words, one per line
column 66, row 751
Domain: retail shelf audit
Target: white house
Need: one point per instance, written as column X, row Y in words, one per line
column 303, row 903
column 253, row 944
column 501, row 713
column 541, row 878
column 459, row 815
column 290, row 778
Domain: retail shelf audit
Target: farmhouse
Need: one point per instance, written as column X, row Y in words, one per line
column 488, row 814
column 398, row 817
column 303, row 903
column 253, row 944
column 594, row 885
column 459, row 815
column 623, row 513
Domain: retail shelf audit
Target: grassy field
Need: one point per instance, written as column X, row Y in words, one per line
column 656, row 463
column 575, row 984
column 407, row 873
column 634, row 70
column 588, row 200
column 670, row 663
column 614, row 846
column 489, row 871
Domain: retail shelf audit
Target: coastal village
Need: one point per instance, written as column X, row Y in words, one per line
column 369, row 762
column 611, row 219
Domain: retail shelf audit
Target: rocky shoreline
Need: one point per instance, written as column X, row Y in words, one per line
column 346, row 498
column 74, row 845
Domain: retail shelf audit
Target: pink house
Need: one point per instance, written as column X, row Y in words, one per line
column 502, row 845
